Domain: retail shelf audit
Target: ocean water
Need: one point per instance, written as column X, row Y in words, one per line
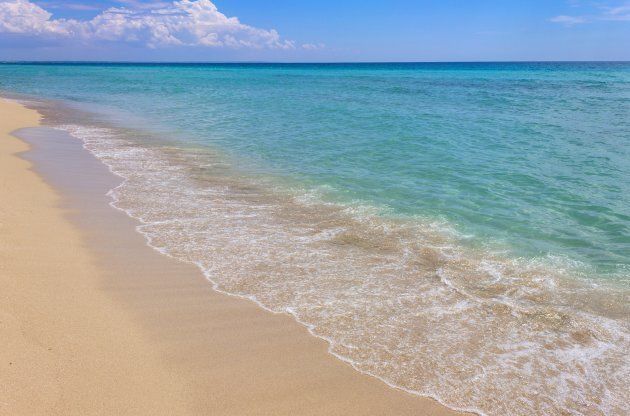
column 460, row 231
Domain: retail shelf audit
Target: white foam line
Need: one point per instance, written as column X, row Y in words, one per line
column 91, row 143
column 215, row 286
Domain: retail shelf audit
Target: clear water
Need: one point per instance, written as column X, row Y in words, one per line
column 458, row 230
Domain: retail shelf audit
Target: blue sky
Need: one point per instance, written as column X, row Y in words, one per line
column 323, row 30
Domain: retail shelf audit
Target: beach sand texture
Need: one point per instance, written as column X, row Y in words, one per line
column 93, row 321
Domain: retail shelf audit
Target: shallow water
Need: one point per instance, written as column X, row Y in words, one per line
column 460, row 231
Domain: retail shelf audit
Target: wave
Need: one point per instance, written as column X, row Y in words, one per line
column 402, row 299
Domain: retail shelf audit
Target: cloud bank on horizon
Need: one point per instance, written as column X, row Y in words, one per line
column 195, row 23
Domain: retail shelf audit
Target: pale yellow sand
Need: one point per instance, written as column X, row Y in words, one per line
column 66, row 347
column 92, row 321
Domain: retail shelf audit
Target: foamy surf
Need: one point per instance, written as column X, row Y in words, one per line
column 404, row 300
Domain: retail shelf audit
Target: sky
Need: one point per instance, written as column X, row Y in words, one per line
column 320, row 31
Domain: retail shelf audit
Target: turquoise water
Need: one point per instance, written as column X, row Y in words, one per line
column 533, row 156
column 460, row 231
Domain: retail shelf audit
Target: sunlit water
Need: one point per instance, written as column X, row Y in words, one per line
column 461, row 231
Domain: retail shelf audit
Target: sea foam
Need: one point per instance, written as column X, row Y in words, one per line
column 403, row 299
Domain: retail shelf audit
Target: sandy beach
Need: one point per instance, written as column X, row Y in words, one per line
column 93, row 321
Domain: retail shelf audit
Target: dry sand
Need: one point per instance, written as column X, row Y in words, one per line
column 93, row 321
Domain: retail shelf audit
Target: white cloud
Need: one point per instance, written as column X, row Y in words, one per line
column 313, row 46
column 21, row 16
column 180, row 23
column 617, row 13
column 568, row 20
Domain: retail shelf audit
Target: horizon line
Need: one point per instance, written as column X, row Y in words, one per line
column 299, row 62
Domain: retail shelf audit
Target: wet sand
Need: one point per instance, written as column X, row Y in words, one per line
column 99, row 323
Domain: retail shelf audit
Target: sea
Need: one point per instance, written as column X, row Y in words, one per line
column 460, row 231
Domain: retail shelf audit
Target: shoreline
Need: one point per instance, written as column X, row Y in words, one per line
column 197, row 349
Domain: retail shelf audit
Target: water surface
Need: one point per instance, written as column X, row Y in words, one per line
column 458, row 230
